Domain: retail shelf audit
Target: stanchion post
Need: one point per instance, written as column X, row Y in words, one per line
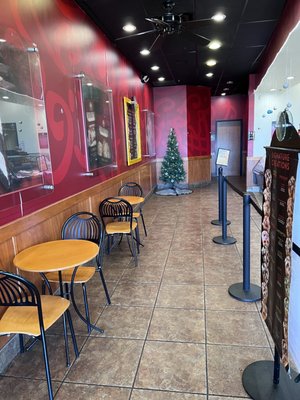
column 224, row 239
column 246, row 291
column 220, row 196
column 246, row 242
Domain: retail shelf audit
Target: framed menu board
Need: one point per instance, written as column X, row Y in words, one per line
column 132, row 131
column 98, row 124
column 279, row 259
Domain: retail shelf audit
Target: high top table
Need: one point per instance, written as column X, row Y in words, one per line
column 57, row 256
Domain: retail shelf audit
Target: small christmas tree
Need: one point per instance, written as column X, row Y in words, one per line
column 172, row 170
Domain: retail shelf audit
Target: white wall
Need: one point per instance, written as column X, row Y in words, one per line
column 280, row 100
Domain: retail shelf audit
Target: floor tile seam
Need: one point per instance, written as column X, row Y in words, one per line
column 266, row 330
column 202, row 343
column 259, row 347
column 167, row 391
column 205, row 323
column 180, row 308
column 95, row 323
column 98, row 385
column 250, row 346
column 150, row 320
column 239, row 311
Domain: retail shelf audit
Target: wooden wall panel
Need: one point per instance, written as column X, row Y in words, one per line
column 199, row 170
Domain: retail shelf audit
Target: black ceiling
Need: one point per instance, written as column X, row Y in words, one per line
column 181, row 56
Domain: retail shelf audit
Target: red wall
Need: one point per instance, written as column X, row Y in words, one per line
column 170, row 112
column 187, row 110
column 198, row 120
column 69, row 43
column 230, row 107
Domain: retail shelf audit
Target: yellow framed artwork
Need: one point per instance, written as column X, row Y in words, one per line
column 132, row 131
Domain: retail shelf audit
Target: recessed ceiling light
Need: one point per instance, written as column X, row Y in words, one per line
column 211, row 62
column 214, row 45
column 145, row 52
column 209, row 74
column 273, row 90
column 129, row 28
column 226, row 89
column 219, row 17
column 155, row 67
column 89, row 84
column 2, row 40
column 223, row 94
column 229, row 82
column 290, row 77
column 161, row 78
column 5, row 97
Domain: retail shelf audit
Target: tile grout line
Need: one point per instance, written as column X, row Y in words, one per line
column 153, row 309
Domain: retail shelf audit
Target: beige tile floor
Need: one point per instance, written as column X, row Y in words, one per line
column 172, row 331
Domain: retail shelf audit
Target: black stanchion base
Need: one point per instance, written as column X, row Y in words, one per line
column 258, row 382
column 227, row 240
column 236, row 290
column 218, row 222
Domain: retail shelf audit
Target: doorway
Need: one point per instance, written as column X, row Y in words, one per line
column 229, row 136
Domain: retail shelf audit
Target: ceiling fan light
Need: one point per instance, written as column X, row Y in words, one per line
column 161, row 78
column 155, row 67
column 219, row 17
column 211, row 62
column 214, row 44
column 145, row 52
column 129, row 28
column 209, row 74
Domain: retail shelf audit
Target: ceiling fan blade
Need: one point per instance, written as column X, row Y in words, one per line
column 136, row 34
column 156, row 41
column 157, row 21
column 204, row 40
column 199, row 22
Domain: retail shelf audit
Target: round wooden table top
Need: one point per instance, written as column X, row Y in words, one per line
column 56, row 255
column 132, row 199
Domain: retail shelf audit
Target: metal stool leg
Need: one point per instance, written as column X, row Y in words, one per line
column 86, row 307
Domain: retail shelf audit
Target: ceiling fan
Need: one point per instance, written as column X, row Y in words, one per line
column 170, row 23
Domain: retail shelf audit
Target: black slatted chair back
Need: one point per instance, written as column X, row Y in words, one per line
column 131, row 189
column 82, row 225
column 115, row 208
column 17, row 291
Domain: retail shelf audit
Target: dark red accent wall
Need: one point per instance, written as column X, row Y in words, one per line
column 187, row 110
column 229, row 108
column 70, row 43
column 198, row 120
column 170, row 112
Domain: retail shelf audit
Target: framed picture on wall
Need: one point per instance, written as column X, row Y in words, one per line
column 22, row 119
column 149, row 129
column 132, row 131
column 98, row 124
